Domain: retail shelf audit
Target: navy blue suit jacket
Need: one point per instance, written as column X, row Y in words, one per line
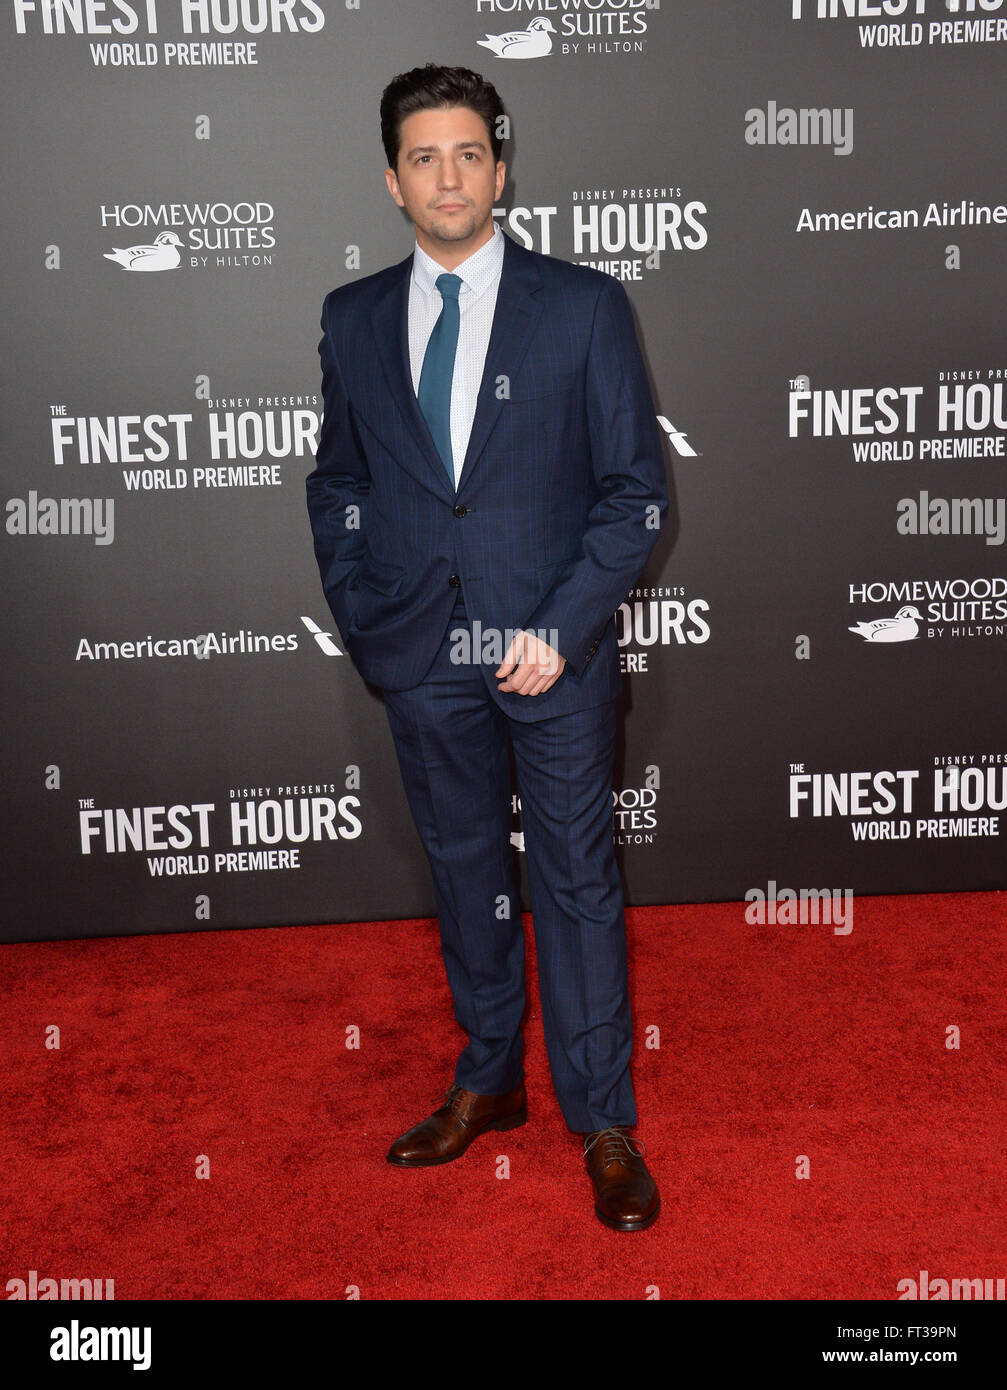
column 559, row 500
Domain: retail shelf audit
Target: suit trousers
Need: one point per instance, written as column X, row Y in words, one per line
column 452, row 741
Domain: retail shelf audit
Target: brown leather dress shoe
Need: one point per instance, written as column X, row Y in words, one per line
column 448, row 1132
column 625, row 1195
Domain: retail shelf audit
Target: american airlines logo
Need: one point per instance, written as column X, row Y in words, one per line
column 205, row 645
column 324, row 639
column 678, row 440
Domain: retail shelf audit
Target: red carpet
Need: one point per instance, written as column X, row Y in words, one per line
column 776, row 1042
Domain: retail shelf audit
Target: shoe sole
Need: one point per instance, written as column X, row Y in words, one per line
column 509, row 1122
column 628, row 1223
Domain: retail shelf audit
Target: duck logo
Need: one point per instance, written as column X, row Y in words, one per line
column 904, row 627
column 533, row 42
column 162, row 255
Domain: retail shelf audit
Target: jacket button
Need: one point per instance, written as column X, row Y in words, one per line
column 454, row 581
column 460, row 510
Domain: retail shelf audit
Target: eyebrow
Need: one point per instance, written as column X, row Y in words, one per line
column 458, row 145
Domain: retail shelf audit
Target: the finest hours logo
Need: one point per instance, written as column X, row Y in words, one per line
column 156, row 34
column 894, row 25
column 963, row 416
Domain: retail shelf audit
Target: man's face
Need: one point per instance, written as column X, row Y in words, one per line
column 447, row 181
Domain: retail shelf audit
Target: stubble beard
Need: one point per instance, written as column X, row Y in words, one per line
column 448, row 230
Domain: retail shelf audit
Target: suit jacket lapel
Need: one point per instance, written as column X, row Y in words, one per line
column 514, row 319
column 390, row 326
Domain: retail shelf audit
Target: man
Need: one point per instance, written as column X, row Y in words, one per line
column 489, row 483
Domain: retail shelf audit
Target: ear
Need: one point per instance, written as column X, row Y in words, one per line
column 393, row 187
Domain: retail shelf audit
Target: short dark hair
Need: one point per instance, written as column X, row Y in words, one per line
column 429, row 88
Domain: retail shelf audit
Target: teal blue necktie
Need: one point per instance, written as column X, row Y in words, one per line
column 434, row 393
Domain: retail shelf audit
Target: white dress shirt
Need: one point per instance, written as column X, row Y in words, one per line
column 477, row 297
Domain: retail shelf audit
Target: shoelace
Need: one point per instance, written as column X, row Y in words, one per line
column 616, row 1146
column 452, row 1098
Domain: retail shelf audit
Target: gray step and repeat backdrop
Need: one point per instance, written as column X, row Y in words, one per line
column 805, row 200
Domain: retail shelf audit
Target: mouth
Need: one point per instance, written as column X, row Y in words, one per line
column 449, row 207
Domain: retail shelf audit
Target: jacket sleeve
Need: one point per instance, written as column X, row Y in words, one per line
column 337, row 489
column 627, row 459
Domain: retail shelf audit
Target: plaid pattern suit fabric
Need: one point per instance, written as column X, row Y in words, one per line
column 559, row 497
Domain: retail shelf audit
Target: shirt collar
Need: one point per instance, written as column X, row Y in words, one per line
column 477, row 273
